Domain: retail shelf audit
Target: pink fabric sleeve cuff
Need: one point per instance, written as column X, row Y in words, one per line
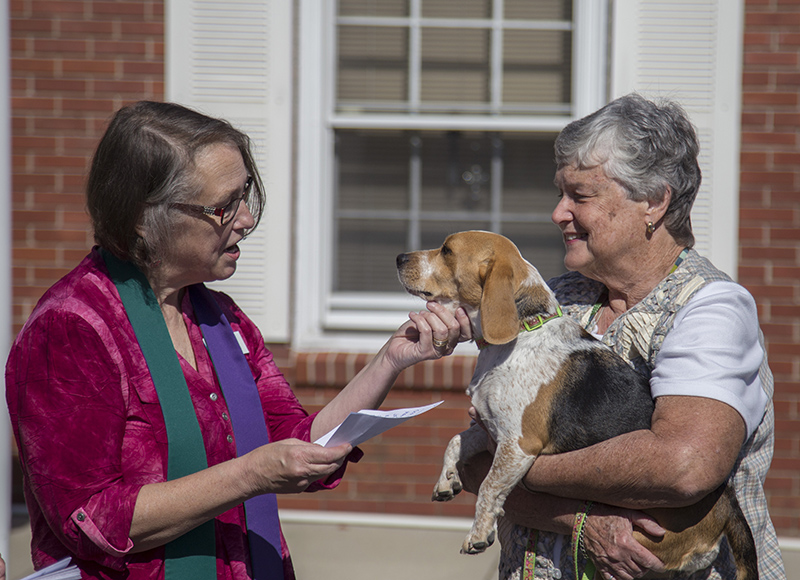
column 87, row 526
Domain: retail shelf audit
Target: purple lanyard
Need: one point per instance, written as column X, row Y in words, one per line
column 249, row 428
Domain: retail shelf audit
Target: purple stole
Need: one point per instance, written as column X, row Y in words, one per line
column 249, row 428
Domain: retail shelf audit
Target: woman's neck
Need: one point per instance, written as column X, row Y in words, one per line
column 628, row 289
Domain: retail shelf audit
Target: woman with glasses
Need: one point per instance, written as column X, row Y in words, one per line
column 153, row 425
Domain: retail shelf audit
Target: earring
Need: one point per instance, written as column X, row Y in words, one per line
column 650, row 228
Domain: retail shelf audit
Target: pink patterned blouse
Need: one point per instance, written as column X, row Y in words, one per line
column 90, row 430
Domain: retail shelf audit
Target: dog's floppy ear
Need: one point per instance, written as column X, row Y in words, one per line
column 499, row 319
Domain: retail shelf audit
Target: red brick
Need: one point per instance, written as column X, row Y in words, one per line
column 792, row 159
column 41, row 255
column 60, row 86
column 755, row 79
column 31, row 142
column 772, row 19
column 31, row 65
column 757, row 39
column 143, row 68
column 122, row 87
column 753, row 158
column 59, row 46
column 118, row 9
column 747, row 215
column 59, row 161
column 759, row 138
column 22, row 25
column 785, row 119
column 85, row 28
column 60, row 123
column 117, row 47
column 787, row 80
column 769, row 98
column 44, row 8
column 773, row 178
column 88, row 66
column 138, row 29
column 32, row 104
column 93, row 105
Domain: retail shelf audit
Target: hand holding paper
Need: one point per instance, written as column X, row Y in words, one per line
column 366, row 424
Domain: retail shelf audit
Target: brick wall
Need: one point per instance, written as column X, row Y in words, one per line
column 75, row 62
column 769, row 229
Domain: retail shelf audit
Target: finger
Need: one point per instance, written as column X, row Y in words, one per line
column 330, row 455
column 451, row 322
column 647, row 524
column 465, row 325
column 445, row 327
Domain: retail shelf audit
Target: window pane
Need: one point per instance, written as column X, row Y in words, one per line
column 538, row 9
column 456, row 8
column 528, row 172
column 540, row 244
column 373, row 8
column 373, row 64
column 366, row 253
column 456, row 171
column 434, row 233
column 537, row 66
column 407, row 190
column 455, row 65
column 373, row 170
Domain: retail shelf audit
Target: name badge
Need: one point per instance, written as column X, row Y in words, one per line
column 241, row 342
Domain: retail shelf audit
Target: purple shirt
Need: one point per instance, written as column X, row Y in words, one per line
column 90, row 430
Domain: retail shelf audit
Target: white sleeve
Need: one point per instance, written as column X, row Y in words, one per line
column 713, row 351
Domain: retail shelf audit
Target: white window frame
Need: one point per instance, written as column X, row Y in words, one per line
column 325, row 321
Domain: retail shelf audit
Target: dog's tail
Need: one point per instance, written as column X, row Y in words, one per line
column 740, row 539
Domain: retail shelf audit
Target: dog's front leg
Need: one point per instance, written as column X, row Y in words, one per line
column 510, row 464
column 461, row 447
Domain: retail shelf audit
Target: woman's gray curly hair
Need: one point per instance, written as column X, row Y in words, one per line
column 646, row 147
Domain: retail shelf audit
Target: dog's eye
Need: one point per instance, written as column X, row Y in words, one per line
column 446, row 251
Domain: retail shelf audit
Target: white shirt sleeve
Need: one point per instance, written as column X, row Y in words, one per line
column 713, row 351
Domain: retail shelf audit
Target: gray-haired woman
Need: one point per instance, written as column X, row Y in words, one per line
column 628, row 175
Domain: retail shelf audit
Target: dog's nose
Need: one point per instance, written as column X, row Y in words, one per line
column 401, row 259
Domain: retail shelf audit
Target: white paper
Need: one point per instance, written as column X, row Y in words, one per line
column 61, row 570
column 366, row 424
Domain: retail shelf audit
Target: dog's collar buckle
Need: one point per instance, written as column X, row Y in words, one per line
column 539, row 320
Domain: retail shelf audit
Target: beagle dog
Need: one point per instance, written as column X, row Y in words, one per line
column 544, row 385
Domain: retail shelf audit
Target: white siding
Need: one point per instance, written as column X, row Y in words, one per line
column 233, row 60
column 690, row 51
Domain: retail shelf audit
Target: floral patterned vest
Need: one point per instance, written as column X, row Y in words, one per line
column 637, row 336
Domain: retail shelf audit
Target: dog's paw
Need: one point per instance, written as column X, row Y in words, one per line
column 475, row 546
column 447, row 490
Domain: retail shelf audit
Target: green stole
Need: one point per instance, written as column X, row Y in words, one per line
column 192, row 555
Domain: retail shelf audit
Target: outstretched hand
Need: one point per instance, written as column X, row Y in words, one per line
column 428, row 335
column 291, row 465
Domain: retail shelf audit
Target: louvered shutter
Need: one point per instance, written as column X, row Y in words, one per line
column 233, row 60
column 690, row 51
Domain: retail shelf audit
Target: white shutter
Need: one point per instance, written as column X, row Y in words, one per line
column 233, row 60
column 690, row 51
